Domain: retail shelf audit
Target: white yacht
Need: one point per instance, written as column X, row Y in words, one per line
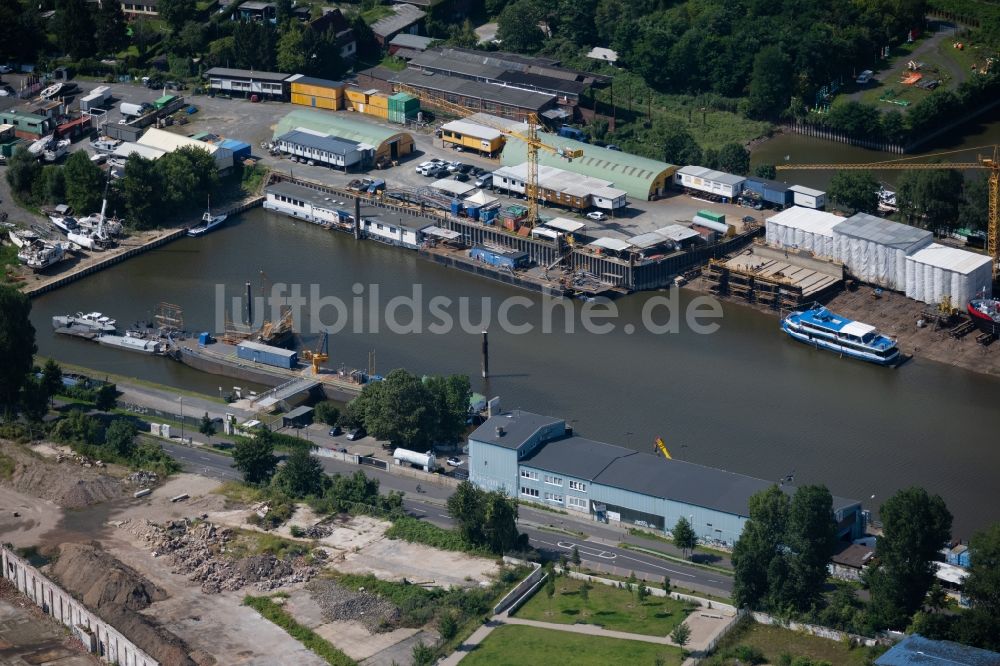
column 91, row 320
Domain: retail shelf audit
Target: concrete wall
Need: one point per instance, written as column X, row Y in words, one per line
column 814, row 630
column 520, row 593
column 99, row 636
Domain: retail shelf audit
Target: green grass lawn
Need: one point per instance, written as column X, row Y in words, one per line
column 606, row 606
column 518, row 645
column 775, row 641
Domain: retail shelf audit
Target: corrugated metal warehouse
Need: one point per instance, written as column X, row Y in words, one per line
column 537, row 458
column 937, row 271
column 641, row 177
column 474, row 95
column 169, row 142
column 803, row 228
column 266, row 354
column 710, row 181
column 388, row 143
column 874, row 250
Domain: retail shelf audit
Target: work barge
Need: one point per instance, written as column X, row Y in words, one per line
column 550, row 260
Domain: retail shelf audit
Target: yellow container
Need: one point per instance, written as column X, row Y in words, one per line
column 317, row 91
column 378, row 112
column 356, row 96
column 315, row 101
column 381, row 101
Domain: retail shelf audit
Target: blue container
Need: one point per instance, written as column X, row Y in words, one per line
column 487, row 216
column 267, row 355
column 456, row 207
column 473, row 212
column 204, row 339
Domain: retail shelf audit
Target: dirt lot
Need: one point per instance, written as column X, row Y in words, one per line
column 29, row 636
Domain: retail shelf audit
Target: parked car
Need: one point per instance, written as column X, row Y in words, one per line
column 461, row 177
column 457, row 148
column 439, row 172
column 336, row 431
column 596, row 215
column 612, row 146
column 7, row 91
column 454, row 166
column 484, row 180
column 454, row 462
column 356, row 434
column 6, row 69
column 423, row 165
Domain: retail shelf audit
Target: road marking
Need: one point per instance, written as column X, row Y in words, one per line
column 206, row 458
column 443, row 515
column 657, row 566
column 603, row 554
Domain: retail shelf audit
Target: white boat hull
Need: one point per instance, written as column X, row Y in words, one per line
column 834, row 346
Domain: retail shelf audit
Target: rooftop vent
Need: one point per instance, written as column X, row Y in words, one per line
column 500, row 431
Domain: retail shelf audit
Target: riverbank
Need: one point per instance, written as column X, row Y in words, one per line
column 896, row 315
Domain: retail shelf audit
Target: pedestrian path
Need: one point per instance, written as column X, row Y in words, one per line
column 590, row 630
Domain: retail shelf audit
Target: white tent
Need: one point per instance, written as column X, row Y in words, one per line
column 874, row 250
column 803, row 228
column 481, row 198
column 938, row 271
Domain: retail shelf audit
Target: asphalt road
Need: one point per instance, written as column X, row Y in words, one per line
column 429, row 504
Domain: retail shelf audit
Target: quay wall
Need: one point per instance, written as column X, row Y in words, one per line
column 98, row 636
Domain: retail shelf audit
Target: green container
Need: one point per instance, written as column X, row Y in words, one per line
column 7, row 149
column 403, row 107
column 163, row 101
column 715, row 217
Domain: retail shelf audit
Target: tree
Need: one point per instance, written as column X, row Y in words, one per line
column 681, row 634
column 23, row 169
column 517, row 27
column 679, row 147
column 450, row 402
column 585, row 592
column 666, row 584
column 770, row 83
column 575, row 557
column 300, row 476
column 398, row 409
column 74, row 28
column 323, row 53
column 111, row 35
column 106, row 398
column 642, row 593
column 207, row 426
column 327, row 412
column 856, row 191
column 684, row 536
column 84, row 183
column 290, row 56
column 254, row 457
column 20, row 32
column 120, row 437
column 77, row 427
column 915, row 527
column 766, row 171
column 466, row 507
column 17, row 346
column 550, row 587
column 734, row 158
column 192, row 38
column 34, row 400
column 447, row 626
column 931, row 197
column 758, row 546
column 811, row 537
column 982, row 587
column 52, row 378
column 423, row 655
column 50, row 186
column 177, row 12
column 973, row 209
column 141, row 190
column 500, row 522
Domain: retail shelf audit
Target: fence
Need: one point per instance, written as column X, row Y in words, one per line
column 814, row 630
column 830, row 135
column 97, row 635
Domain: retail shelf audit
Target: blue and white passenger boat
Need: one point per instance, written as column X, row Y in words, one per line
column 823, row 329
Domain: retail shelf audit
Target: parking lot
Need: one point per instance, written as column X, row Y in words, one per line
column 255, row 124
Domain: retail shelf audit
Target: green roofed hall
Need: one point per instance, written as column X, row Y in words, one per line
column 641, row 177
column 388, row 142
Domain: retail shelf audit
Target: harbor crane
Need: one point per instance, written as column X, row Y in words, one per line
column 530, row 139
column 988, row 163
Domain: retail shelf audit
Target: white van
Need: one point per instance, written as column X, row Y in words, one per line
column 485, row 180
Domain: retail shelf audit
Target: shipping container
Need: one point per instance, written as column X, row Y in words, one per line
column 770, row 191
column 164, row 101
column 808, row 197
column 356, row 96
column 380, row 100
column 508, row 259
column 403, row 107
column 267, row 355
column 715, row 217
column 317, row 102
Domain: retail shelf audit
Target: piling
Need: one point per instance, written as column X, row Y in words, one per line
column 249, row 321
column 357, row 218
column 486, row 356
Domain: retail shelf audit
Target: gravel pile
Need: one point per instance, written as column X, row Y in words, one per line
column 199, row 551
column 340, row 603
column 317, row 531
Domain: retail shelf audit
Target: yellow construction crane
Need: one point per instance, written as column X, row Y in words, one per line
column 320, row 355
column 530, row 139
column 991, row 164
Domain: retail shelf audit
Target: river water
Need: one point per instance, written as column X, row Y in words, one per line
column 745, row 398
column 792, row 148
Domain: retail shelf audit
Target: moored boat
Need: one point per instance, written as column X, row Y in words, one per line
column 105, row 144
column 986, row 313
column 134, row 341
column 823, row 329
column 208, row 222
column 22, row 237
column 91, row 320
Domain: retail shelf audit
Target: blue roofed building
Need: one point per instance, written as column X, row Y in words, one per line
column 538, row 459
column 915, row 650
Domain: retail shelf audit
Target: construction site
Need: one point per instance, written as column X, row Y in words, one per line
column 163, row 567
